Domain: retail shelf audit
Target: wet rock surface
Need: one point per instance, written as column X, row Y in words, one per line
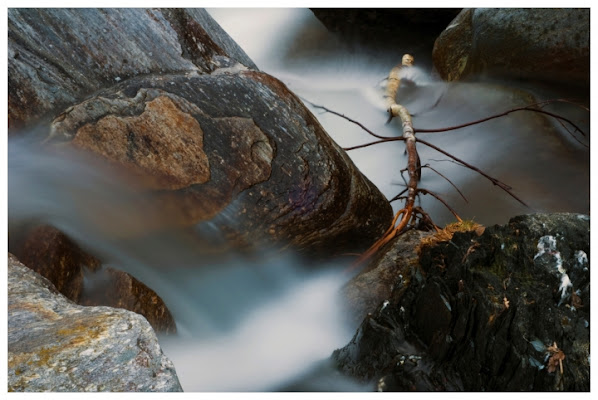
column 59, row 56
column 118, row 289
column 177, row 110
column 56, row 257
column 383, row 277
column 504, row 311
column 247, row 157
column 81, row 277
column 55, row 345
column 522, row 43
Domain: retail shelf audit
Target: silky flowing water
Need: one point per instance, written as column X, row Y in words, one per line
column 264, row 324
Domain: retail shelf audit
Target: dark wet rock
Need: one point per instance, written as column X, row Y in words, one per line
column 551, row 44
column 384, row 276
column 59, row 56
column 236, row 150
column 56, row 257
column 485, row 313
column 114, row 288
column 55, row 345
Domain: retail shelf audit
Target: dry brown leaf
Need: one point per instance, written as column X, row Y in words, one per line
column 556, row 359
column 576, row 301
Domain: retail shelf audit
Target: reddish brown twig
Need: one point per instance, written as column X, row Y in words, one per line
column 448, row 180
column 529, row 107
column 361, row 146
column 495, row 181
column 425, row 191
column 350, row 120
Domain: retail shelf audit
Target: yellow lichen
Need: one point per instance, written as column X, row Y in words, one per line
column 446, row 234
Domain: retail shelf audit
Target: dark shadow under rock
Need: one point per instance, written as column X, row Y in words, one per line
column 118, row 289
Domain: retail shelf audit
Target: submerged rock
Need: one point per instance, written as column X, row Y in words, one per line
column 52, row 254
column 118, row 289
column 504, row 311
column 56, row 257
column 55, row 345
column 552, row 44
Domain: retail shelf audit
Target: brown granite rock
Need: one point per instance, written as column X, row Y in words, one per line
column 235, row 149
column 53, row 255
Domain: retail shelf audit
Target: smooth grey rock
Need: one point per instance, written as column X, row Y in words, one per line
column 534, row 43
column 56, row 345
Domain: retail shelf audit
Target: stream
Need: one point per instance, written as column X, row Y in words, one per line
column 269, row 325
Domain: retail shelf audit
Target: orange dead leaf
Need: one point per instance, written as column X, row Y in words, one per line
column 576, row 300
column 556, row 359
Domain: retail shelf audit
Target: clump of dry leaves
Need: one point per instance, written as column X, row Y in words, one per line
column 556, row 358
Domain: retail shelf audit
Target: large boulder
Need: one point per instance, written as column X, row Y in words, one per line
column 236, row 149
column 505, row 311
column 551, row 44
column 55, row 345
column 58, row 56
column 182, row 112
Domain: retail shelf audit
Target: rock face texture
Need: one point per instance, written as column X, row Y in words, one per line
column 504, row 311
column 552, row 44
column 383, row 277
column 236, row 149
column 55, row 345
column 56, row 57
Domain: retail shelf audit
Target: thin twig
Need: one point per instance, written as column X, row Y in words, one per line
column 425, row 191
column 479, row 121
column 348, row 119
column 361, row 146
column 398, row 196
column 448, row 180
column 495, row 181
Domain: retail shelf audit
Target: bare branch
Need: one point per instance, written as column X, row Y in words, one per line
column 348, row 119
column 425, row 191
column 495, row 181
column 448, row 180
column 398, row 196
column 361, row 146
column 530, row 107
